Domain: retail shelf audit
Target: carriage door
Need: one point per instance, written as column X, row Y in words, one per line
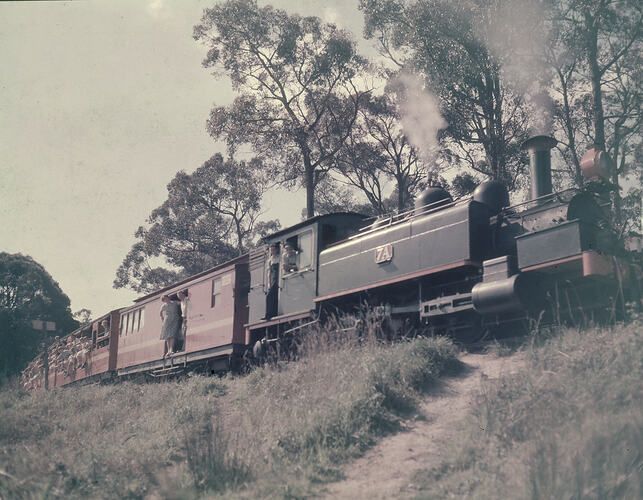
column 257, row 295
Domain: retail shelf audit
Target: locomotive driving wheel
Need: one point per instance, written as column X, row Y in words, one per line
column 466, row 330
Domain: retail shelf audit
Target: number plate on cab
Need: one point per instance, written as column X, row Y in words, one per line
column 384, row 254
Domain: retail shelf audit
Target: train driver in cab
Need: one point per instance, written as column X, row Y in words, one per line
column 272, row 274
column 289, row 260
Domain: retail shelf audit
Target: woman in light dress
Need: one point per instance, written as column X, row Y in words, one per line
column 171, row 317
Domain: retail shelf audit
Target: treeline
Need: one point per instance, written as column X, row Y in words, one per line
column 33, row 309
column 455, row 90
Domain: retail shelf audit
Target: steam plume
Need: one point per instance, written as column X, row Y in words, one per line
column 515, row 35
column 420, row 114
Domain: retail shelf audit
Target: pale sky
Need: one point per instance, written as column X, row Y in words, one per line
column 101, row 103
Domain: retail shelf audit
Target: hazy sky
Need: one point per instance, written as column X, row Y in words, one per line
column 101, row 103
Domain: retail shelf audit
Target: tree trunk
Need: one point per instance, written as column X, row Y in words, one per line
column 597, row 104
column 597, row 95
column 616, row 203
column 240, row 248
column 569, row 131
column 401, row 189
column 310, row 188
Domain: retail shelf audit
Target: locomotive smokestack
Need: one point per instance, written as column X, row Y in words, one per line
column 539, row 148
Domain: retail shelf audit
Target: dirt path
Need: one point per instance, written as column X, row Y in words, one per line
column 386, row 471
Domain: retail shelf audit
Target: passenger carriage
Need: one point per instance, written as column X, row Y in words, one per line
column 86, row 354
column 217, row 310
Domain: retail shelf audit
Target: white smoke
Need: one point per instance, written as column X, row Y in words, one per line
column 515, row 35
column 542, row 117
column 420, row 114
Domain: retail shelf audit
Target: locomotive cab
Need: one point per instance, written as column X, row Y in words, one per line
column 295, row 285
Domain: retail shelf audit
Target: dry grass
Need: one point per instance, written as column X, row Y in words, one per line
column 274, row 433
column 570, row 425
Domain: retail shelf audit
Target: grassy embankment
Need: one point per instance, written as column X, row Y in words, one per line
column 278, row 432
column 568, row 426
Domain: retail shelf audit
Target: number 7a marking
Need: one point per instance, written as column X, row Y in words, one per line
column 384, row 254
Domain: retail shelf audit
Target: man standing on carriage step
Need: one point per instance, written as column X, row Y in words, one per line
column 272, row 272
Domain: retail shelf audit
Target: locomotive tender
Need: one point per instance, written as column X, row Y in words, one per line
column 456, row 267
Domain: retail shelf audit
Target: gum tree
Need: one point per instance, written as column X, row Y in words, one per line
column 596, row 57
column 446, row 43
column 295, row 78
column 377, row 153
column 210, row 216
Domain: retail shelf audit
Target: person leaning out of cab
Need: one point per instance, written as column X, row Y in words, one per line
column 289, row 259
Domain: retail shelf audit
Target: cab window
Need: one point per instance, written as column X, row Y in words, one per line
column 305, row 254
column 302, row 258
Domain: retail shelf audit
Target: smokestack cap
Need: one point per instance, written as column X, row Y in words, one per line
column 539, row 143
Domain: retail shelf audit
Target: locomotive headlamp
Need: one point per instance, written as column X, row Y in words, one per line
column 596, row 164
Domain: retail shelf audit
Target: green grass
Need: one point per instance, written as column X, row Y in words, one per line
column 277, row 432
column 568, row 426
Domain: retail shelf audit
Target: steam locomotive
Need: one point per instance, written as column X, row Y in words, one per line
column 461, row 268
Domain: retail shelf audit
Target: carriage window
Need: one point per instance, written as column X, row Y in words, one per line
column 141, row 318
column 134, row 320
column 305, row 254
column 216, row 291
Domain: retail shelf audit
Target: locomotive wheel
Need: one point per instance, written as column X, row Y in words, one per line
column 467, row 335
column 468, row 331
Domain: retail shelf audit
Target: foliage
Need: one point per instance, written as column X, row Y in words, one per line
column 595, row 53
column 83, row 316
column 568, row 425
column 331, row 197
column 295, row 76
column 210, row 216
column 631, row 211
column 27, row 293
column 378, row 152
column 463, row 185
column 487, row 118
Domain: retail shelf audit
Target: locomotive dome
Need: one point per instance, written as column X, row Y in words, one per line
column 432, row 197
column 494, row 194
